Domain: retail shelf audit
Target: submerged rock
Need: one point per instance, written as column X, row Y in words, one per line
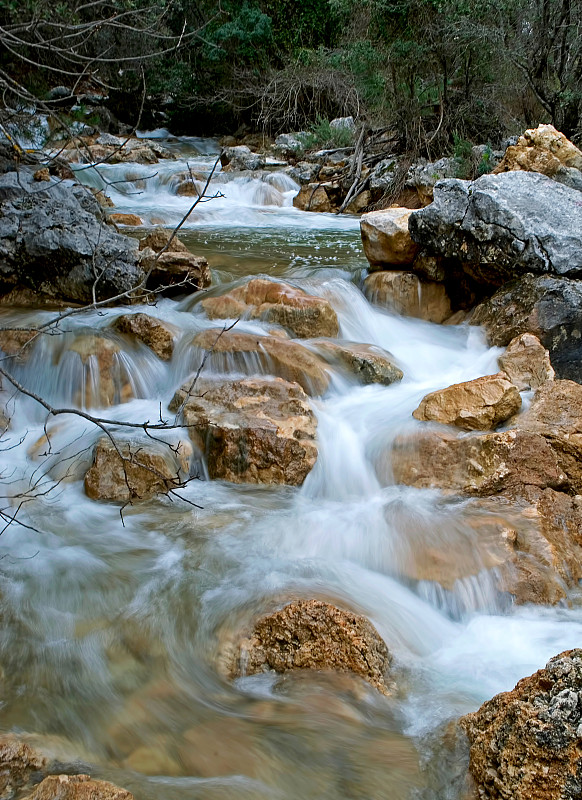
column 477, row 405
column 251, row 430
column 304, row 315
column 133, row 470
column 311, row 634
column 154, row 333
column 370, row 364
column 548, row 307
column 78, row 787
column 526, row 362
column 406, row 294
column 104, row 381
column 525, row 743
column 502, row 226
column 273, row 355
column 386, row 239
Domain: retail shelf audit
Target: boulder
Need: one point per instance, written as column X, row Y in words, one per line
column 311, row 634
column 383, row 177
column 526, row 362
column 304, row 173
column 304, row 315
column 117, row 150
column 370, row 364
column 104, row 383
column 502, row 226
column 482, row 464
column 252, row 430
column 234, row 159
column 313, row 197
column 406, row 294
column 343, row 124
column 423, row 175
column 155, row 334
column 478, row 405
column 170, row 266
column 386, row 239
column 53, row 241
column 132, row 220
column 274, row 356
column 548, row 307
column 288, row 144
column 525, row 744
column 542, row 149
column 78, row 787
column 129, row 471
column 359, row 203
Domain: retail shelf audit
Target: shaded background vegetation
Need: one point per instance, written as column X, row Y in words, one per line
column 435, row 71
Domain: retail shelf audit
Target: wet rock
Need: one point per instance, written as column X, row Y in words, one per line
column 131, row 471
column 526, row 362
column 188, row 188
column 17, row 344
column 117, row 150
column 19, row 765
column 542, row 149
column 478, row 405
column 171, row 267
column 304, row 315
column 423, row 175
column 484, row 464
column 548, row 307
column 370, row 364
column 131, row 220
column 386, row 239
column 311, row 634
column 313, row 197
column 241, row 158
column 406, row 294
column 78, row 787
column 283, row 358
column 501, row 226
column 252, row 430
column 53, row 241
column 304, row 172
column 526, row 743
column 104, row 382
column 155, row 334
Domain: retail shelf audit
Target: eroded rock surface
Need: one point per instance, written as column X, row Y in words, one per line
column 252, row 430
column 19, row 762
column 481, row 404
column 525, row 744
column 304, row 315
column 542, row 149
column 526, row 362
column 311, row 634
column 154, row 333
column 386, row 239
column 78, row 787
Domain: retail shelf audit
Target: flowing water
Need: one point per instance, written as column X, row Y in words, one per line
column 115, row 626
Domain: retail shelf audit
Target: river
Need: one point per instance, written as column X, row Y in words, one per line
column 114, row 625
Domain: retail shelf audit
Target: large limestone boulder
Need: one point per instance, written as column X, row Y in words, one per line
column 304, row 315
column 501, row 226
column 170, row 266
column 311, row 634
column 542, row 149
column 548, row 307
column 526, row 362
column 283, row 358
column 525, row 743
column 154, row 333
column 407, row 294
column 477, row 405
column 127, row 471
column 370, row 364
column 252, row 430
column 386, row 239
column 78, row 787
column 483, row 465
column 53, row 241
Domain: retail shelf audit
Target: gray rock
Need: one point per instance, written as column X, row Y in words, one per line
column 423, row 175
column 288, row 143
column 501, row 226
column 241, row 158
column 53, row 240
column 304, row 172
column 569, row 176
column 549, row 307
column 59, row 93
column 383, row 175
column 109, row 139
column 343, row 123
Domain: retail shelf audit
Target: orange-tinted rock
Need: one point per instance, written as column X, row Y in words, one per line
column 131, row 471
column 526, row 362
column 171, row 266
column 283, row 358
column 313, row 197
column 78, row 787
column 251, row 430
column 406, row 294
column 386, row 239
column 476, row 405
column 542, row 149
column 104, row 383
column 311, row 634
column 17, row 344
column 155, row 334
column 304, row 315
column 525, row 744
column 18, row 763
column 126, row 219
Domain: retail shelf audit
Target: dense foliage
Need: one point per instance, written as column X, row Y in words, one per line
column 437, row 71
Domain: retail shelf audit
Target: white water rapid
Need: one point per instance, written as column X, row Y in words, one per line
column 113, row 626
